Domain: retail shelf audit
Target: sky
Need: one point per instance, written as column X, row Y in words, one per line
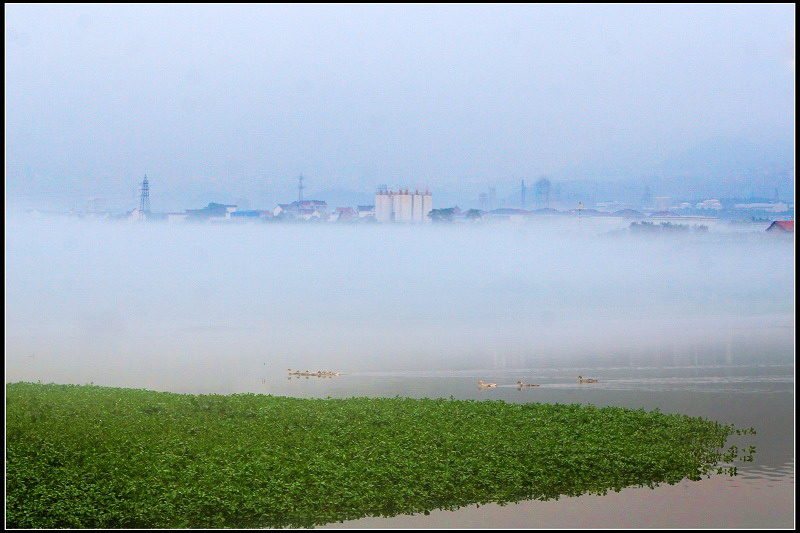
column 235, row 101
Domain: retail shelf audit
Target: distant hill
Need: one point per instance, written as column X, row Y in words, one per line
column 726, row 158
column 718, row 167
column 342, row 197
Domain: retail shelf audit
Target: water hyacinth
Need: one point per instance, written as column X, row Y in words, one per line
column 99, row 457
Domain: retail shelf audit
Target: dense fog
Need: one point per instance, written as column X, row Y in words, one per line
column 150, row 304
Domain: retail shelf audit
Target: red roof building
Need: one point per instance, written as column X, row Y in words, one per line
column 782, row 226
column 345, row 213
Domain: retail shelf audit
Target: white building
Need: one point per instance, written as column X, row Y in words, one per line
column 679, row 220
column 709, row 204
column 365, row 211
column 302, row 210
column 773, row 207
column 136, row 215
column 176, row 217
column 402, row 206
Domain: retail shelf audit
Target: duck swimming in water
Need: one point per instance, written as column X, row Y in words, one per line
column 581, row 379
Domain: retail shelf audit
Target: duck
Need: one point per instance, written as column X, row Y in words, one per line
column 483, row 385
column 581, row 379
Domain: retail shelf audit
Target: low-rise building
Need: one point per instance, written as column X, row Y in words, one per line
column 310, row 213
column 173, row 218
column 365, row 211
column 714, row 204
column 302, row 209
column 212, row 212
column 782, row 226
column 772, row 207
column 343, row 214
column 251, row 215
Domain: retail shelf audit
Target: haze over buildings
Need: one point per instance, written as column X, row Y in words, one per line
column 219, row 103
column 401, row 206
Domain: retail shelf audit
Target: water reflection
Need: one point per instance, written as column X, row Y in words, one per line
column 718, row 502
column 700, row 326
column 761, row 396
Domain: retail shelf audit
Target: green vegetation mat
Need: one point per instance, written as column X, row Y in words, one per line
column 99, row 457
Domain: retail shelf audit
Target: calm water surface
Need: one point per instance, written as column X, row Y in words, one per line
column 702, row 325
column 754, row 395
column 761, row 496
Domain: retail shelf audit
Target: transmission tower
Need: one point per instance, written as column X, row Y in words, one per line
column 144, row 199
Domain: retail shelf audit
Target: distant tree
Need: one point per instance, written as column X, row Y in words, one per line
column 473, row 214
column 664, row 227
column 211, row 210
column 442, row 215
column 216, row 210
column 643, row 226
column 667, row 226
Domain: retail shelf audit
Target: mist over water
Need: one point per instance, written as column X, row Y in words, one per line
column 192, row 308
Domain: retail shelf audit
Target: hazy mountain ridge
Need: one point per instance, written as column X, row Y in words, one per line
column 718, row 167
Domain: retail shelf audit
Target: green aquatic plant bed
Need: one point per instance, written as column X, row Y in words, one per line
column 98, row 457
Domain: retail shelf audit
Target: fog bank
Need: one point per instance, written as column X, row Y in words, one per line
column 119, row 303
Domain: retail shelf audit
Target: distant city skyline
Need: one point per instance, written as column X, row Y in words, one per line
column 236, row 101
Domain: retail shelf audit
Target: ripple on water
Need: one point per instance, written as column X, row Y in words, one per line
column 783, row 473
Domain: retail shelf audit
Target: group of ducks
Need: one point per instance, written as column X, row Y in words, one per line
column 520, row 384
column 317, row 374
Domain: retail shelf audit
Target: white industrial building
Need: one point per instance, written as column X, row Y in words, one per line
column 402, row 206
column 176, row 217
column 709, row 204
column 773, row 207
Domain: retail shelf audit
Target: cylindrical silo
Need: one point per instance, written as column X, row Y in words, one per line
column 404, row 214
column 427, row 206
column 416, row 207
column 396, row 201
column 383, row 207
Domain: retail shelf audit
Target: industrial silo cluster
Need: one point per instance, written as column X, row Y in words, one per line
column 402, row 206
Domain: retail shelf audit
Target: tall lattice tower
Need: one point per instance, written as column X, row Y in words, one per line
column 144, row 199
